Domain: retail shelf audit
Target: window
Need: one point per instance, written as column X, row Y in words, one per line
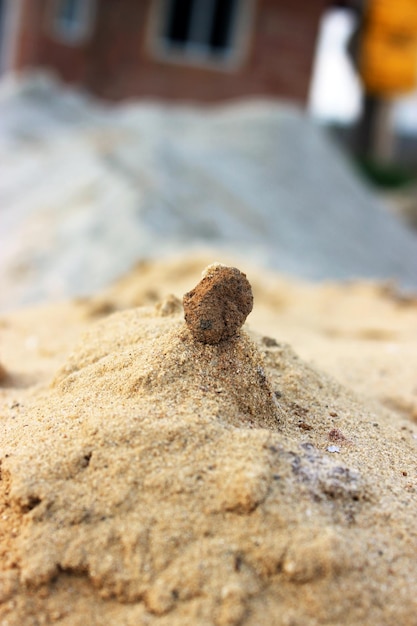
column 73, row 19
column 199, row 30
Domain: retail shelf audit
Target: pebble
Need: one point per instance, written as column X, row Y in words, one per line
column 218, row 306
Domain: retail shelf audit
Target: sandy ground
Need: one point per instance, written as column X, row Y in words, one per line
column 269, row 479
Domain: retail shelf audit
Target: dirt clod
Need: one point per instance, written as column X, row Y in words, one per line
column 218, row 306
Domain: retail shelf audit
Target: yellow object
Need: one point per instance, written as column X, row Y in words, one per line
column 393, row 14
column 388, row 55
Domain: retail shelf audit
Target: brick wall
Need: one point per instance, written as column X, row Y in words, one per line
column 29, row 34
column 117, row 61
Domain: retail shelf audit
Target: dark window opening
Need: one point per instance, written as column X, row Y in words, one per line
column 179, row 21
column 203, row 27
column 222, row 25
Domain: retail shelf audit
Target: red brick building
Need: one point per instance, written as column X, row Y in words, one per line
column 200, row 50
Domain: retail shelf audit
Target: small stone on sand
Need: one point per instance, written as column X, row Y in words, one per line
column 218, row 306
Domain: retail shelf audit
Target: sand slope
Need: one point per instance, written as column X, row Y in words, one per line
column 147, row 479
column 89, row 188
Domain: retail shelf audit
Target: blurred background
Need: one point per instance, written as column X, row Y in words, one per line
column 282, row 130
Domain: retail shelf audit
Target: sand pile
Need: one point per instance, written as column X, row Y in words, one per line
column 149, row 478
column 87, row 189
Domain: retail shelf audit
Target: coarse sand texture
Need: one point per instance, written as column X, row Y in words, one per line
column 154, row 474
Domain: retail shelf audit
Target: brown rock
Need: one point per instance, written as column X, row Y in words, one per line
column 219, row 305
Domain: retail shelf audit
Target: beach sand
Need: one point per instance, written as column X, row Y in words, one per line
column 147, row 478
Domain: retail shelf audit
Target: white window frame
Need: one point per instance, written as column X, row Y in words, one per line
column 78, row 31
column 200, row 55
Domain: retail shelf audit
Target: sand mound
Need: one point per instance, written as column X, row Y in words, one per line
column 87, row 190
column 152, row 479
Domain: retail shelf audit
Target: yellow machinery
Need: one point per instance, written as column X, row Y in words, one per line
column 388, row 50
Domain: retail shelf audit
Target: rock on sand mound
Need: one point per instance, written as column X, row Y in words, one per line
column 160, row 480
